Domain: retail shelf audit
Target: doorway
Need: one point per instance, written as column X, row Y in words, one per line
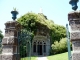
column 39, row 48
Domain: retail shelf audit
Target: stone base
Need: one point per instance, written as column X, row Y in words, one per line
column 10, row 57
column 0, row 57
column 76, row 55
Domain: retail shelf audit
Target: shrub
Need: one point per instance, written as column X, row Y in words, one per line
column 59, row 47
column 55, row 47
column 63, row 45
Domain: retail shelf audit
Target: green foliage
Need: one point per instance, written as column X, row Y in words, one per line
column 31, row 22
column 58, row 32
column 14, row 9
column 1, row 36
column 25, row 38
column 59, row 47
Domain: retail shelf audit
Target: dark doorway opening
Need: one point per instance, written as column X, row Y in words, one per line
column 34, row 48
column 39, row 49
column 44, row 48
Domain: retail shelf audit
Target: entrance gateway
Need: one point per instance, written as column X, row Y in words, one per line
column 40, row 46
column 39, row 49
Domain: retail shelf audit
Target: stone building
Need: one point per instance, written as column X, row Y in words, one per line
column 41, row 41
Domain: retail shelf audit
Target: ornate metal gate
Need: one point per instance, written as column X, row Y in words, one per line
column 24, row 44
column 0, row 45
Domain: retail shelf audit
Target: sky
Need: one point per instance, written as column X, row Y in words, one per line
column 56, row 10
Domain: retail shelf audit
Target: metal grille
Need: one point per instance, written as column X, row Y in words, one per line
column 0, row 45
column 24, row 44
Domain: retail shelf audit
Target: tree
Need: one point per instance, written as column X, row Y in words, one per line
column 1, row 36
column 58, row 32
column 32, row 21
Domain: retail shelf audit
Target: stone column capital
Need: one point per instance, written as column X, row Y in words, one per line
column 74, row 15
column 74, row 22
column 13, row 25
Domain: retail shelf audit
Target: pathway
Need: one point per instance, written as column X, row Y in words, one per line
column 42, row 58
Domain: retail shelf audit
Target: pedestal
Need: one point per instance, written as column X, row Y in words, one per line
column 74, row 21
column 10, row 41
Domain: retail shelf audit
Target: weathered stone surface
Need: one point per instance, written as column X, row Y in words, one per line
column 74, row 21
column 10, row 40
column 75, row 35
column 76, row 55
column 9, row 49
column 76, row 45
column 39, row 37
column 10, row 32
column 13, row 25
column 75, row 25
column 74, row 15
column 9, row 57
column 0, row 57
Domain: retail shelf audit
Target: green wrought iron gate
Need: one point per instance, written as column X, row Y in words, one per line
column 24, row 44
column 0, row 45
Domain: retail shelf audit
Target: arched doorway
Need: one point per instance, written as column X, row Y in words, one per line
column 39, row 47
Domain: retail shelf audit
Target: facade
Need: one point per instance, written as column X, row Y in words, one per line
column 41, row 45
column 41, row 41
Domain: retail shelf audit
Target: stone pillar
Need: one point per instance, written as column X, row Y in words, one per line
column 10, row 41
column 74, row 22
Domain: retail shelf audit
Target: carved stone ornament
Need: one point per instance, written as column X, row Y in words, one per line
column 75, row 36
column 74, row 15
column 9, row 40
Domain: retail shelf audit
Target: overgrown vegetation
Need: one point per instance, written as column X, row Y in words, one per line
column 59, row 47
column 1, row 36
column 24, row 46
column 32, row 22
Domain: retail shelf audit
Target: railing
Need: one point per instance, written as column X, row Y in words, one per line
column 24, row 44
column 0, row 46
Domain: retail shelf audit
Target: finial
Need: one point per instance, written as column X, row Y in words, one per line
column 14, row 13
column 74, row 4
column 41, row 11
